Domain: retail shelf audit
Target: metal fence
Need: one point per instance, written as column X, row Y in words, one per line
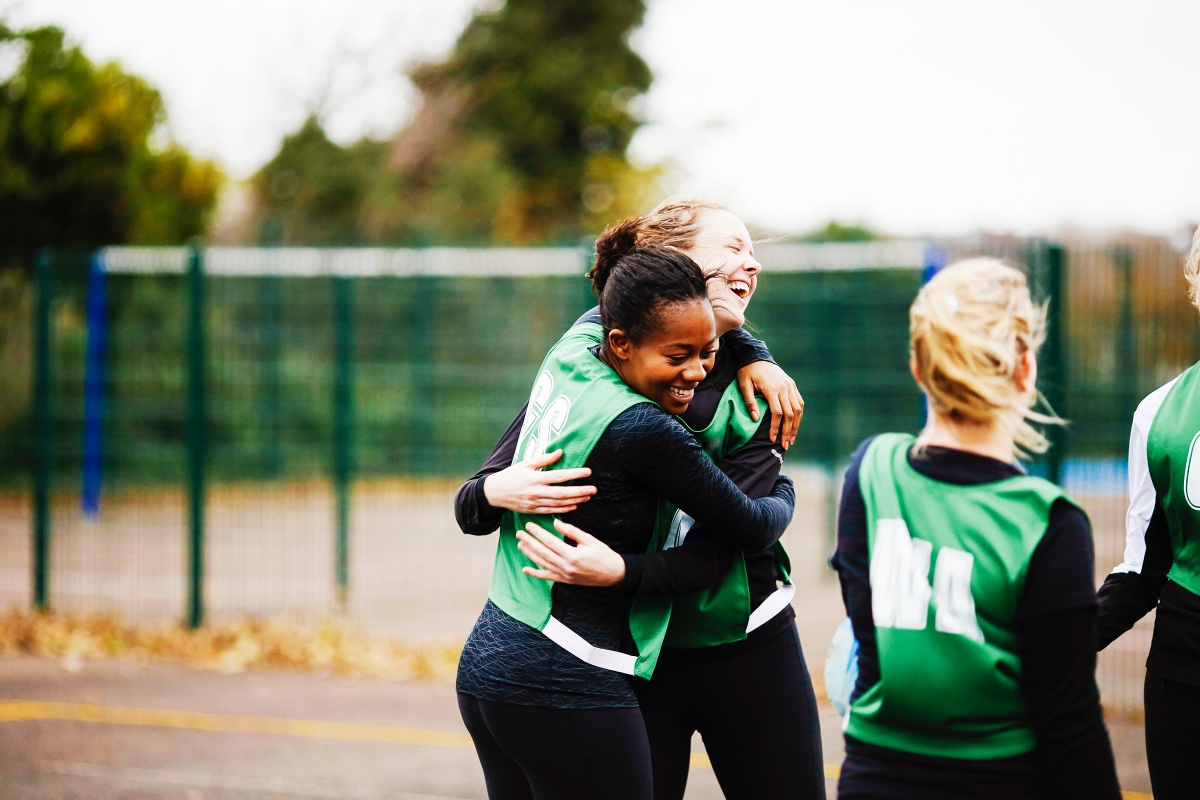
column 278, row 432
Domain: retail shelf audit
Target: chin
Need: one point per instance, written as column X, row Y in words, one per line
column 729, row 321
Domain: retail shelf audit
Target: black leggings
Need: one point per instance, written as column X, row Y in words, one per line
column 531, row 753
column 1172, row 737
column 755, row 709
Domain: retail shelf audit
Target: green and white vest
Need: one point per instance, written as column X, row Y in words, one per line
column 1173, row 455
column 722, row 614
column 948, row 565
column 575, row 398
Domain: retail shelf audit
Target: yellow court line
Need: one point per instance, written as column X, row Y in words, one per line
column 15, row 710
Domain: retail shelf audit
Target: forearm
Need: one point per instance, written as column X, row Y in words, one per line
column 698, row 564
column 1058, row 656
column 1125, row 597
column 743, row 348
column 475, row 515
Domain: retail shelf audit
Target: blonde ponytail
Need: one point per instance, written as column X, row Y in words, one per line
column 969, row 329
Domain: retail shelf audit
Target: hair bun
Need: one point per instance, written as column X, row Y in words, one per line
column 614, row 243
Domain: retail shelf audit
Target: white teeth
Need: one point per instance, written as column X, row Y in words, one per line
column 740, row 288
column 681, row 392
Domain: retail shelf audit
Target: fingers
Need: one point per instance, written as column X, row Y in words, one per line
column 539, row 573
column 776, row 407
column 573, row 532
column 538, row 553
column 746, row 386
column 546, row 459
column 564, row 475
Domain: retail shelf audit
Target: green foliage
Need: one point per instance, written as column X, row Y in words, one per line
column 837, row 232
column 76, row 164
column 520, row 138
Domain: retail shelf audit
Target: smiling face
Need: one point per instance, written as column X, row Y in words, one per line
column 669, row 362
column 725, row 253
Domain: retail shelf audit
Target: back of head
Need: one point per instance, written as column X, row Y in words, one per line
column 643, row 282
column 674, row 223
column 1191, row 270
column 969, row 329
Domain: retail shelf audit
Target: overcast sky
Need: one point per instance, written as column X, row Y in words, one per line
column 911, row 116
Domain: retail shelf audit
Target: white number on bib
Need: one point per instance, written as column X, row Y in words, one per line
column 899, row 577
column 1191, row 474
column 549, row 421
column 900, row 590
column 952, row 594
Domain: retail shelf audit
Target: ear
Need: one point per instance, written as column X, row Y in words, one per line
column 619, row 344
column 1026, row 372
column 915, row 369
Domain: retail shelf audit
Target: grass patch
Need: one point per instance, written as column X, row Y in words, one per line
column 230, row 647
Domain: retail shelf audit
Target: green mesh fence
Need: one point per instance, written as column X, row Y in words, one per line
column 348, row 392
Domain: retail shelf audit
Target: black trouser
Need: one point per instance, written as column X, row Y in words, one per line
column 1172, row 737
column 531, row 753
column 755, row 709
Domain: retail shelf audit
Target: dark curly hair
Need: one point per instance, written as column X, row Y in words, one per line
column 636, row 286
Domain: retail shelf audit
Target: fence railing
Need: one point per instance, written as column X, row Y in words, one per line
column 278, row 432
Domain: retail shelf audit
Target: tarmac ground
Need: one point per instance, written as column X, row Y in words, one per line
column 117, row 730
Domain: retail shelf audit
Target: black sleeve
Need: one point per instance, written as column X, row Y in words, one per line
column 1061, row 570
column 852, row 563
column 592, row 315
column 705, row 555
column 474, row 513
column 1058, row 655
column 1056, row 635
column 1126, row 597
column 662, row 455
column 744, row 349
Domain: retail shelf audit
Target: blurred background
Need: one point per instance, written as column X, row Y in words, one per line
column 275, row 276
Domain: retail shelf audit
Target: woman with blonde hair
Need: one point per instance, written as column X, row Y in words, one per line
column 1162, row 567
column 968, row 583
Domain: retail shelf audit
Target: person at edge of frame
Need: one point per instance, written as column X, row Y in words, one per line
column 1162, row 568
column 543, row 681
column 732, row 666
column 969, row 585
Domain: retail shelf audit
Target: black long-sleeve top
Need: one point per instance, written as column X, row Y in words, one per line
column 1140, row 583
column 642, row 455
column 1056, row 634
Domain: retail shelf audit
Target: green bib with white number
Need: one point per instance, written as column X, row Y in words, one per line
column 574, row 400
column 947, row 570
column 1173, row 455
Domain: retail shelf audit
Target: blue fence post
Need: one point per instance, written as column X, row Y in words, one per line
column 94, row 387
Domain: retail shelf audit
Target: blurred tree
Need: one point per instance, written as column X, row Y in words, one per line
column 313, row 189
column 77, row 165
column 837, row 232
column 521, row 137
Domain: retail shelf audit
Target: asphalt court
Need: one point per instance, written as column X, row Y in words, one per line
column 123, row 731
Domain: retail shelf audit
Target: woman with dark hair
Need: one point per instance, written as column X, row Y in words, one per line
column 543, row 686
column 732, row 666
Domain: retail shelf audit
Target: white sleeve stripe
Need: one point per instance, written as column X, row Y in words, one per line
column 1141, row 489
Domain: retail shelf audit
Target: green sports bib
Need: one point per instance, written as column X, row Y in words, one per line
column 947, row 570
column 1173, row 455
column 575, row 398
column 722, row 614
